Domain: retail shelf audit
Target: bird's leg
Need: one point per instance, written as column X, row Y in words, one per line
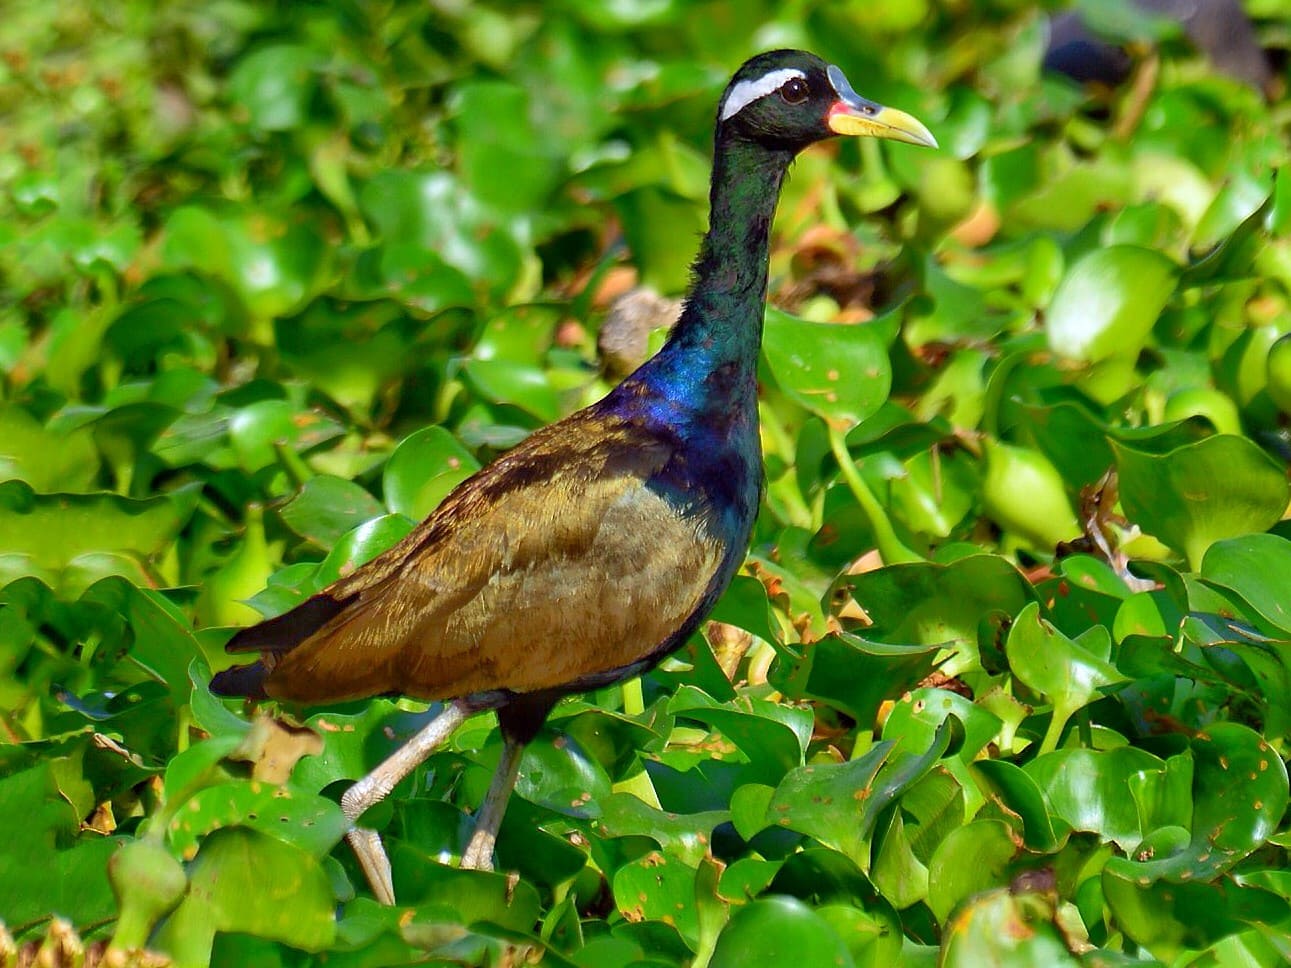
column 479, row 852
column 374, row 787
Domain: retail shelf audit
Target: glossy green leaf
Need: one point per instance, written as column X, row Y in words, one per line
column 423, row 469
column 1007, row 928
column 1217, row 488
column 1087, row 789
column 46, row 461
column 71, row 540
column 274, row 86
column 776, row 930
column 1070, row 673
column 840, row 373
column 327, row 507
column 290, row 902
column 1108, row 301
column 853, row 674
column 1252, row 566
column 973, row 858
column 361, row 545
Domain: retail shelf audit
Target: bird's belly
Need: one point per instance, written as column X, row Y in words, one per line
column 602, row 606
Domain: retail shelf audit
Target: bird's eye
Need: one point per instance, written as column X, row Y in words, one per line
column 795, row 91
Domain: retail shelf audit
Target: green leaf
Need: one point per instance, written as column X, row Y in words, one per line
column 273, row 86
column 423, row 469
column 853, row 674
column 938, row 604
column 659, row 887
column 971, row 859
column 1087, row 790
column 686, row 837
column 1195, row 495
column 1071, row 673
column 248, row 882
column 326, row 507
column 361, row 545
column 1254, row 567
column 779, row 930
column 305, row 820
column 71, row 540
column 839, row 372
column 838, row 804
column 1007, row 928
column 1106, row 304
column 44, row 460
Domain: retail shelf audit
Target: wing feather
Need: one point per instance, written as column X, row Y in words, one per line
column 557, row 561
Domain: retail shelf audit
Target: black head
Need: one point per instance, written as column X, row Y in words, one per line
column 790, row 99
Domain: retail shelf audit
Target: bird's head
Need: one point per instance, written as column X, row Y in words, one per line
column 790, row 98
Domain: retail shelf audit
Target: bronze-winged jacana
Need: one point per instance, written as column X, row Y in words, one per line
column 597, row 545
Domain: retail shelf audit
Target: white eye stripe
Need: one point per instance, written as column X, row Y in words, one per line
column 746, row 92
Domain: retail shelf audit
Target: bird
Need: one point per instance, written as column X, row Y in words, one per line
column 595, row 547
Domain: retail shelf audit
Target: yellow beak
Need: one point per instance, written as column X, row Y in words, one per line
column 860, row 117
column 875, row 121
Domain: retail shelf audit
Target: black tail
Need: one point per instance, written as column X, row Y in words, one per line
column 273, row 637
column 243, row 680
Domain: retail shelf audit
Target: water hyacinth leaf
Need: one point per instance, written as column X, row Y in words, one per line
column 46, row 535
column 1086, row 789
column 423, row 469
column 773, row 737
column 686, row 837
column 305, row 820
column 258, row 429
column 327, row 507
column 1191, row 497
column 971, row 859
column 162, row 644
column 521, row 385
column 1012, row 789
column 917, row 718
column 828, row 801
column 462, row 897
column 853, row 674
column 1008, row 928
column 245, row 881
column 838, row 804
column 502, row 159
column 654, row 218
column 1108, row 301
column 1170, row 918
column 779, row 930
column 1239, row 793
column 362, row 545
column 938, row 604
column 744, row 604
column 659, row 887
column 1254, row 566
column 840, row 373
column 559, row 776
column 46, row 461
column 37, row 884
column 433, row 210
column 274, row 85
column 1071, row 673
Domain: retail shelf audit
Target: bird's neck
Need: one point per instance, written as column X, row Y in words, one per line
column 704, row 380
column 722, row 317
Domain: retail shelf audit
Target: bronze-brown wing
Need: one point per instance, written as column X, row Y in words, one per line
column 532, row 575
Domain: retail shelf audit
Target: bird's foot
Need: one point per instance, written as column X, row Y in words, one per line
column 372, row 858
